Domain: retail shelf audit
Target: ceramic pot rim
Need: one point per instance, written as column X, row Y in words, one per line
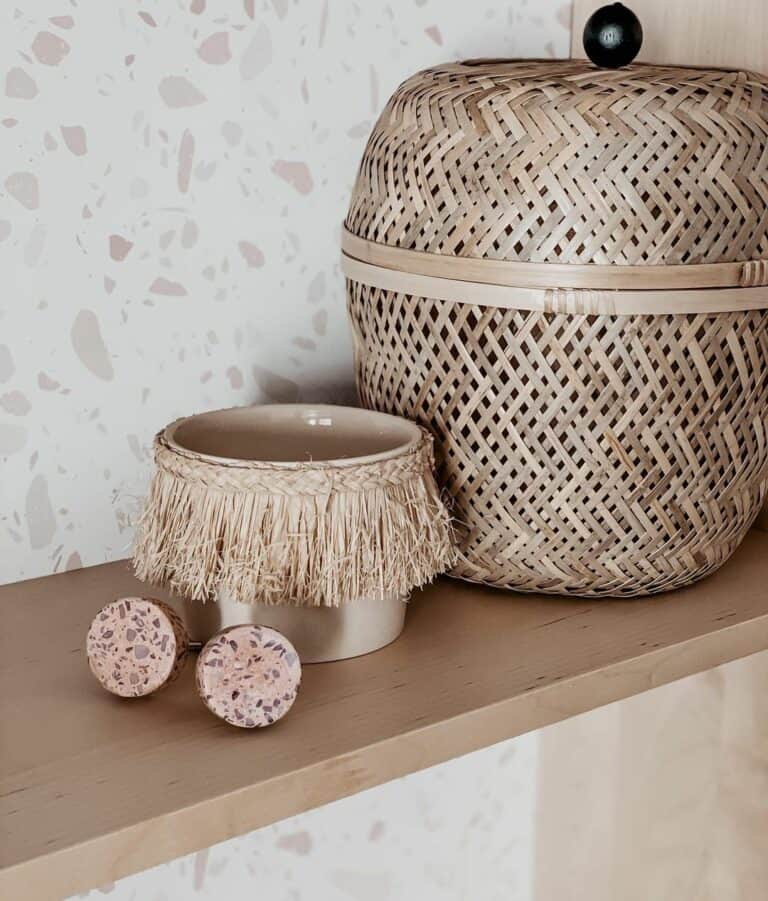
column 366, row 417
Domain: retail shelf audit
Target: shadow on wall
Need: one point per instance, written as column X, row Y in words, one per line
column 319, row 390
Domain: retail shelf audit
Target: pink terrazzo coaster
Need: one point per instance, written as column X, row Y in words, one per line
column 248, row 675
column 135, row 646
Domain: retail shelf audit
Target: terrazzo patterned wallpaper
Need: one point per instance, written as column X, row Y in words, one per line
column 174, row 175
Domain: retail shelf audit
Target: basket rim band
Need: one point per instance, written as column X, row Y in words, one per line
column 513, row 274
column 577, row 301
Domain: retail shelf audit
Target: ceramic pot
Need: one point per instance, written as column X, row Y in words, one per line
column 319, row 634
column 318, row 441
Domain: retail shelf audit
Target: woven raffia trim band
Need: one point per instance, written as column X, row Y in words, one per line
column 580, row 301
column 308, row 534
column 516, row 274
column 316, row 479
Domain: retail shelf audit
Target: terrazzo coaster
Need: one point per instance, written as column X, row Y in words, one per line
column 248, row 675
column 135, row 646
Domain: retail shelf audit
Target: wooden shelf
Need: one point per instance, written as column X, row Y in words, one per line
column 94, row 788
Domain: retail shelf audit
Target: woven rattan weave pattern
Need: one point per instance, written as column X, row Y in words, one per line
column 597, row 455
column 560, row 162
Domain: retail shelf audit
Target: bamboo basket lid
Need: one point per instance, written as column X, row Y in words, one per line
column 537, row 161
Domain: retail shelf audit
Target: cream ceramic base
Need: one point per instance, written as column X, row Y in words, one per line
column 319, row 634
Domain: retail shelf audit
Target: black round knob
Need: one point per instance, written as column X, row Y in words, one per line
column 612, row 36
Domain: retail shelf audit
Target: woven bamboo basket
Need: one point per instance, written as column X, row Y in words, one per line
column 562, row 271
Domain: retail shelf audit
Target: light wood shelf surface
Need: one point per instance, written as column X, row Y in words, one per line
column 93, row 788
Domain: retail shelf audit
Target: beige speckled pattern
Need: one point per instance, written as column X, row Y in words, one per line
column 248, row 675
column 136, row 645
